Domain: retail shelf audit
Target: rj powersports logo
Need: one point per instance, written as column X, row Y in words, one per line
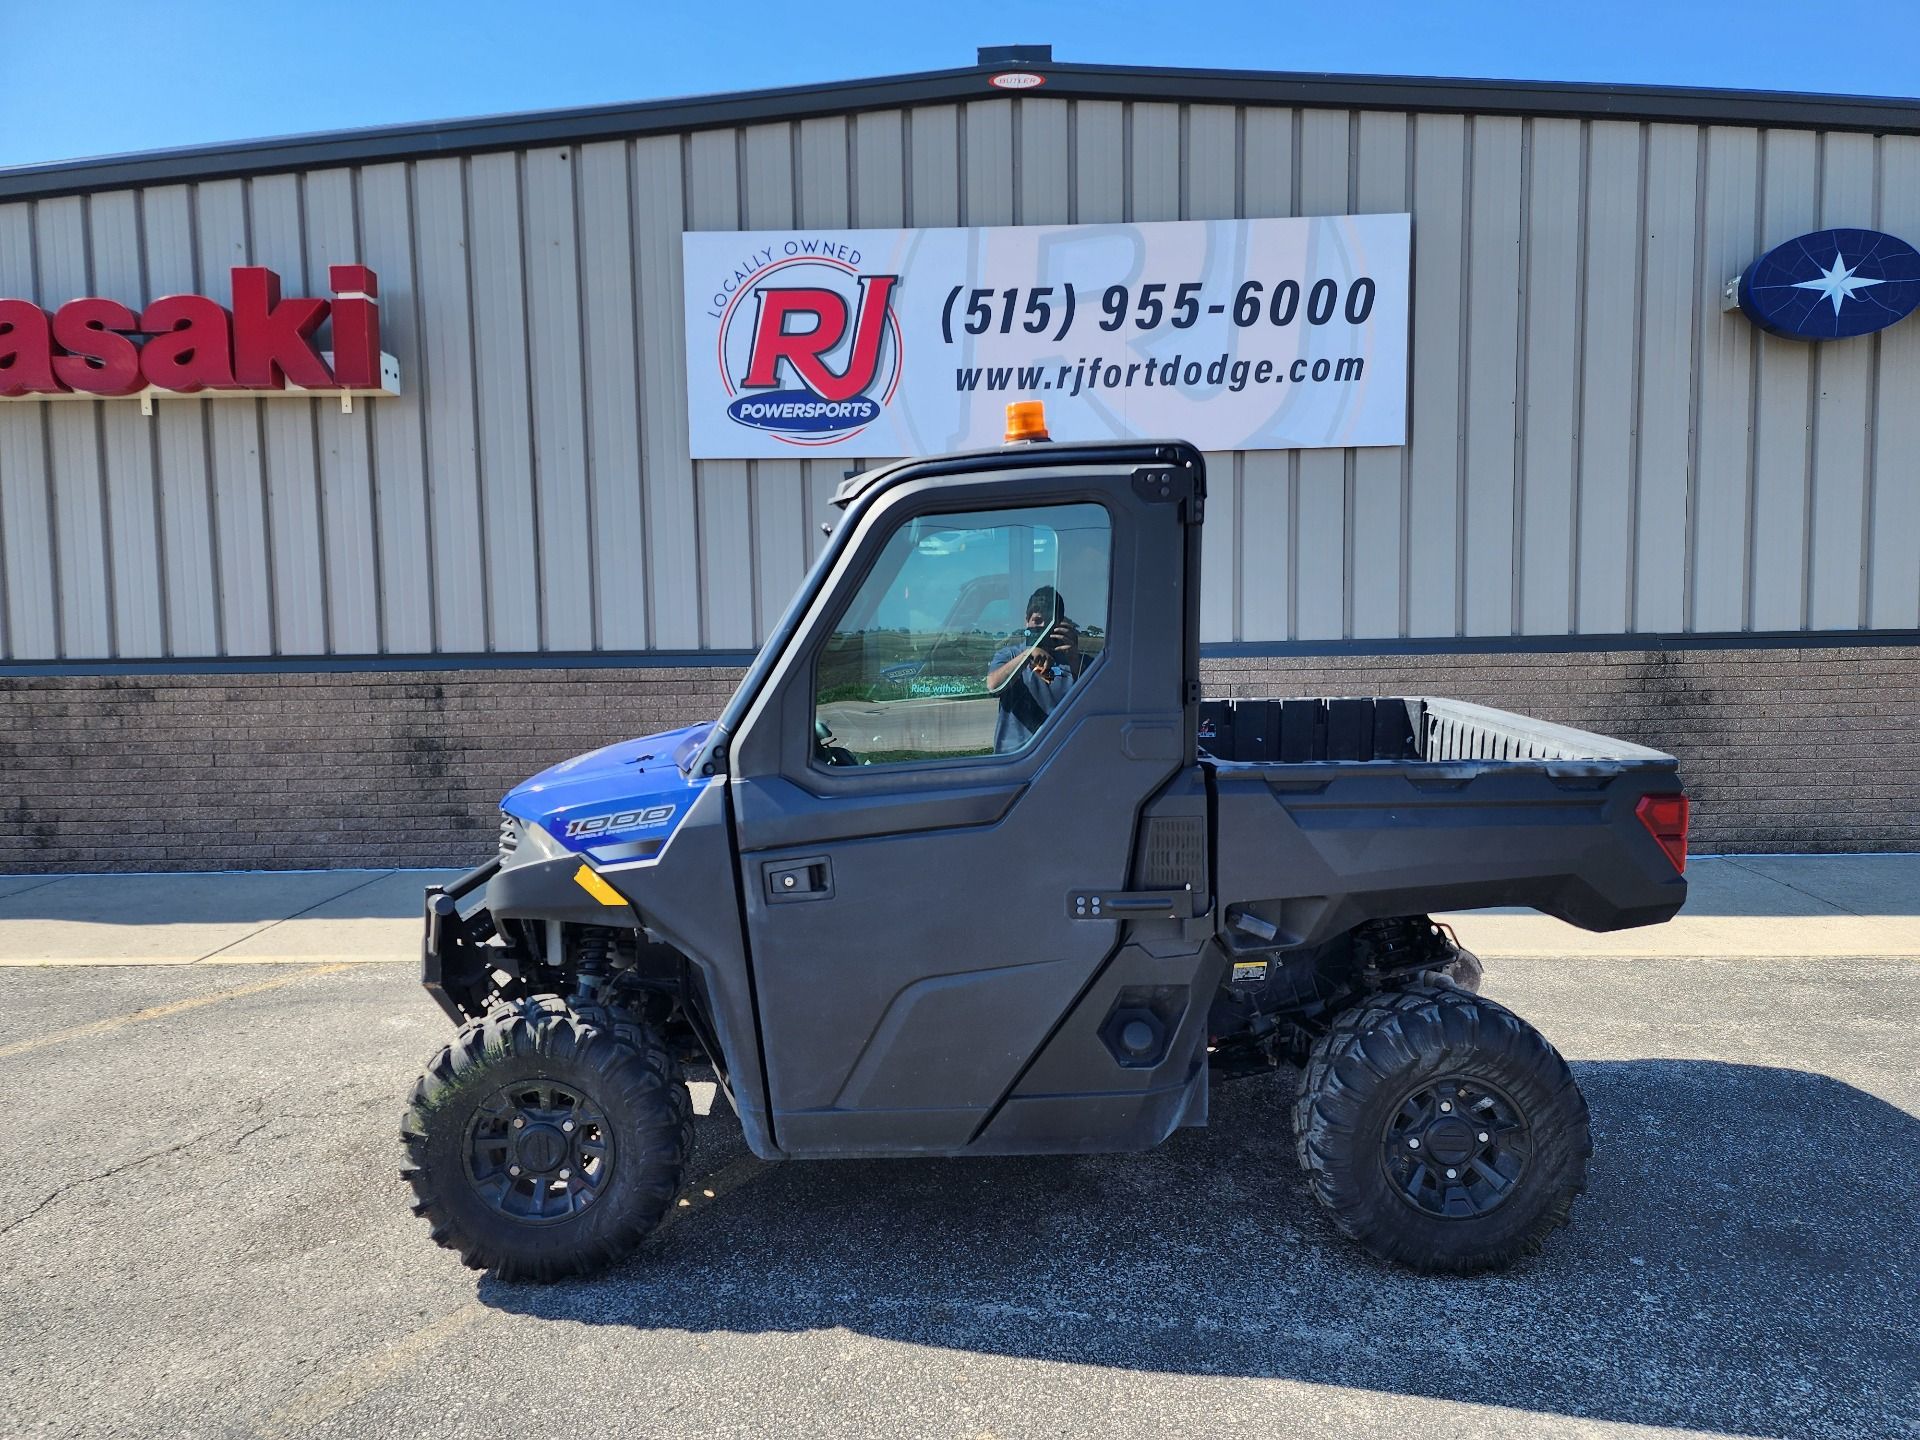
column 809, row 346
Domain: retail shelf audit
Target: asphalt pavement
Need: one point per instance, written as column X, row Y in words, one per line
column 203, row 1233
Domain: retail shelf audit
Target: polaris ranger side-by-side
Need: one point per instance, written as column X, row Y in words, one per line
column 950, row 876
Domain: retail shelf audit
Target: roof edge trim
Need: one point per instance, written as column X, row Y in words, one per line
column 1419, row 95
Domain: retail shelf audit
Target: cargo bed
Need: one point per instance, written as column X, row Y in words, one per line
column 1303, row 730
column 1332, row 811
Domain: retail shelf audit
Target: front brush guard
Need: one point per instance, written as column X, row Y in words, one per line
column 454, row 966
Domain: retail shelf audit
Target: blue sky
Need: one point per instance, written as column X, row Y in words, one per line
column 93, row 77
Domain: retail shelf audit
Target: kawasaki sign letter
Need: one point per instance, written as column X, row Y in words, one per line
column 1234, row 334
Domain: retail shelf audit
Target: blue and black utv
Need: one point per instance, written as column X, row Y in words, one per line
column 968, row 866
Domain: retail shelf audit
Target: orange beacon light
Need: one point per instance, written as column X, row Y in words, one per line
column 1026, row 421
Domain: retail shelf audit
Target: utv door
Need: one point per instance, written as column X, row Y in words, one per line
column 911, row 840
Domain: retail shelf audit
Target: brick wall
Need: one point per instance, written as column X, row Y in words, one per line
column 1811, row 749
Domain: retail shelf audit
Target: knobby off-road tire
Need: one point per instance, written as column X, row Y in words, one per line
column 1434, row 1076
column 641, row 1034
column 540, row 1145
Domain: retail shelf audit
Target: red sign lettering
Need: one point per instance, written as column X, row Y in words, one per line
column 804, row 349
column 189, row 343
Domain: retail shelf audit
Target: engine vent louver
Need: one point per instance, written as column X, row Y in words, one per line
column 1176, row 853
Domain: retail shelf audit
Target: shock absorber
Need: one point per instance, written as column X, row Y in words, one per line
column 592, row 960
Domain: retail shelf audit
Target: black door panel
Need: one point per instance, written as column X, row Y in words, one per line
column 898, row 1012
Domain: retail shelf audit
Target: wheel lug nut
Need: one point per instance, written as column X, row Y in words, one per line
column 568, row 1127
column 513, row 1169
column 1446, row 1106
column 1452, row 1174
column 1413, row 1144
column 1483, row 1137
column 566, row 1174
column 519, row 1122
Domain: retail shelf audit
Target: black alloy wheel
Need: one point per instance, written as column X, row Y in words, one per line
column 539, row 1152
column 1440, row 1130
column 542, row 1144
column 1456, row 1147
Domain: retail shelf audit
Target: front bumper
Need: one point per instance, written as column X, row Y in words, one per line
column 452, row 968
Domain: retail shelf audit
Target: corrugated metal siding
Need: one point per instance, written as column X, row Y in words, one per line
column 1596, row 447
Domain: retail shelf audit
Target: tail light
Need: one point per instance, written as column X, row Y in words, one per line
column 1665, row 817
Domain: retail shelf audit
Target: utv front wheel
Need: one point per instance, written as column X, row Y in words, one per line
column 541, row 1145
column 1441, row 1131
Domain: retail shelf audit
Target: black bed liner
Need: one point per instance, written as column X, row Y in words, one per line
column 1314, row 730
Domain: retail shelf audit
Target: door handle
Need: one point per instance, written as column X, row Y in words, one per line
column 1131, row 904
column 810, row 878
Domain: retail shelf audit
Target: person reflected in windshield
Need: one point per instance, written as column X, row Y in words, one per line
column 1033, row 671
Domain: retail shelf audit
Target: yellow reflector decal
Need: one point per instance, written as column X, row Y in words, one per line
column 588, row 880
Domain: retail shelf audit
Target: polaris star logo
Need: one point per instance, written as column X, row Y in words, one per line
column 809, row 346
column 1831, row 285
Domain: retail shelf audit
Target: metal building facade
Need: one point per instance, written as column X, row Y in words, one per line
column 1597, row 448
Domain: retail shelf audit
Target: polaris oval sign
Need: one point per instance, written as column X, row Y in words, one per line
column 1832, row 285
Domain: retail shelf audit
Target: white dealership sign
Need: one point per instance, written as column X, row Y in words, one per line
column 1233, row 334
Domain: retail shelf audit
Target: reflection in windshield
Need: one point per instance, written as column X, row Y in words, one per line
column 904, row 672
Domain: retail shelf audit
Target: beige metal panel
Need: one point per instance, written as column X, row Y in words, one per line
column 826, row 198
column 1041, row 127
column 1893, row 557
column 1220, row 548
column 879, row 169
column 1154, row 173
column 180, row 445
column 1723, row 442
column 1377, row 523
column 796, row 175
column 1662, row 471
column 29, row 610
column 1099, row 161
column 1212, row 168
column 1593, row 316
column 1790, row 207
column 560, row 400
column 1264, row 480
column 1550, row 378
column 233, row 443
column 611, row 398
column 1610, row 356
column 721, row 490
column 933, row 170
column 1843, row 414
column 286, row 429
column 1213, row 193
column 989, row 179
column 673, row 574
column 1498, row 209
column 126, row 444
column 446, row 367
column 84, row 580
column 1266, row 168
column 933, row 165
column 879, row 200
column 514, row 570
column 344, row 443
column 1439, row 330
column 403, row 554
column 825, row 180
column 1323, row 544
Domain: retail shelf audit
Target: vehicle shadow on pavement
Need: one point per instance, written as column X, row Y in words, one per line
column 1745, row 1260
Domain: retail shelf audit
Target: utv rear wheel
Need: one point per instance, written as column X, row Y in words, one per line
column 1441, row 1131
column 540, row 1145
